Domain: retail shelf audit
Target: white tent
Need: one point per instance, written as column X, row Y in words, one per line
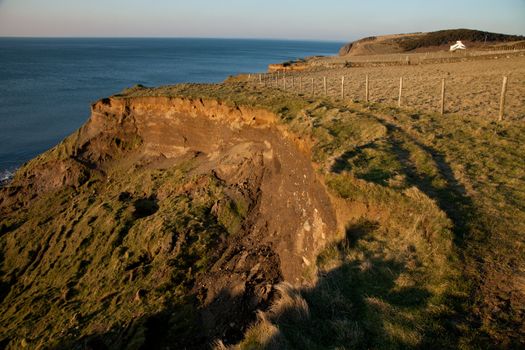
column 458, row 46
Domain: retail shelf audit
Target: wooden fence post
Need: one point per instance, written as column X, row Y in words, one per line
column 366, row 89
column 293, row 82
column 343, row 87
column 442, row 109
column 400, row 91
column 301, row 84
column 260, row 79
column 313, row 90
column 284, row 83
column 324, row 85
column 502, row 99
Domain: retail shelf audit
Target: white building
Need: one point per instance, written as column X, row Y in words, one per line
column 458, row 46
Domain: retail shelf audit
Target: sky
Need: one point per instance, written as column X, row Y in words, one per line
column 337, row 20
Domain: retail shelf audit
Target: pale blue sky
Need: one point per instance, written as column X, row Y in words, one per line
column 286, row 19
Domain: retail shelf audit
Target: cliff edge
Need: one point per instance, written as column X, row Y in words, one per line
column 158, row 208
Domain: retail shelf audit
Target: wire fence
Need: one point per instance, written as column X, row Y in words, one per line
column 418, row 57
column 481, row 96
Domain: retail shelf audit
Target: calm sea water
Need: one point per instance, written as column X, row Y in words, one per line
column 47, row 85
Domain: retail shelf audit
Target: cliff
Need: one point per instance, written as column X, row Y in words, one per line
column 153, row 201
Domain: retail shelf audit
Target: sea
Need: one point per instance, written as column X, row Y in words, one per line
column 48, row 84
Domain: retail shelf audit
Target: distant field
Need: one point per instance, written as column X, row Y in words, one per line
column 473, row 87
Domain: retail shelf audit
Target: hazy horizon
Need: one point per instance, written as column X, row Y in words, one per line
column 285, row 20
column 169, row 37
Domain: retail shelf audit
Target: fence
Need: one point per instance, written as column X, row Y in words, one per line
column 348, row 87
column 418, row 58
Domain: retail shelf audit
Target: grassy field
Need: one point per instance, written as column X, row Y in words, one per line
column 432, row 41
column 429, row 251
column 473, row 87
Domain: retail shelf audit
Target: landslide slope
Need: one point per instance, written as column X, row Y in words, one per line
column 387, row 44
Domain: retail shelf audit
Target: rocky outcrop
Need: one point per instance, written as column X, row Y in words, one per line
column 374, row 45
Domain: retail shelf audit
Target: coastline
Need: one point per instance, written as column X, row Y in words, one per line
column 45, row 92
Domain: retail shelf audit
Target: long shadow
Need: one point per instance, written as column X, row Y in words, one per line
column 452, row 198
column 458, row 206
column 376, row 175
column 358, row 306
column 341, row 163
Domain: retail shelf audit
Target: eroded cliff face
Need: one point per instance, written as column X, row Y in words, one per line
column 242, row 147
column 160, row 221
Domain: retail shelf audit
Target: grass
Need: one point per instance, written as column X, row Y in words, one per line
column 117, row 233
column 432, row 261
column 444, row 37
column 389, row 282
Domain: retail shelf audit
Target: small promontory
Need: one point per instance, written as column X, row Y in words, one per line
column 431, row 41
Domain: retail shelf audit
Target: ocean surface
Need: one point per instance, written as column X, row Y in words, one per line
column 47, row 85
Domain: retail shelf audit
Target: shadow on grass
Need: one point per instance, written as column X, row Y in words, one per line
column 451, row 198
column 341, row 162
column 359, row 304
column 351, row 159
column 177, row 326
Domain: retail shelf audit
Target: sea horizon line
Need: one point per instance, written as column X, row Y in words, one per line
column 174, row 37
